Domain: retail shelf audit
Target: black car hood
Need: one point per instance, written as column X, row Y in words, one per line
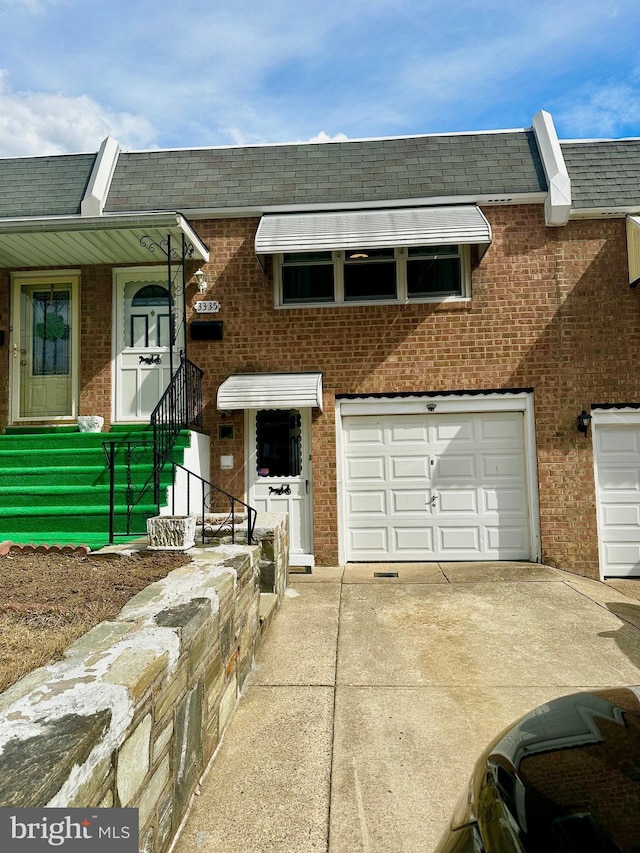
column 566, row 777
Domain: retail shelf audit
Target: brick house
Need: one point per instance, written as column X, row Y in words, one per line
column 397, row 335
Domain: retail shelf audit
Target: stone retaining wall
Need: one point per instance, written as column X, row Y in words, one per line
column 136, row 708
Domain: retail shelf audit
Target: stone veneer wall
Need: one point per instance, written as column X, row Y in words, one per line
column 136, row 708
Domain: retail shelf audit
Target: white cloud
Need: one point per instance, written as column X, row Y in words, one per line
column 39, row 123
column 606, row 111
column 324, row 137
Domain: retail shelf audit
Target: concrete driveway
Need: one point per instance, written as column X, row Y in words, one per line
column 372, row 697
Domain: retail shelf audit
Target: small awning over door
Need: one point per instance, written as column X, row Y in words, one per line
column 370, row 229
column 271, row 391
column 633, row 249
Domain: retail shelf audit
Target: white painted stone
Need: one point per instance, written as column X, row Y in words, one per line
column 90, row 423
column 171, row 532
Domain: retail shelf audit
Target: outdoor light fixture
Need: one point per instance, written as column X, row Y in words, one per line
column 584, row 419
column 201, row 280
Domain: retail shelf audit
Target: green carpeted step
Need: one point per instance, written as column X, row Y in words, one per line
column 91, row 475
column 91, row 495
column 55, row 484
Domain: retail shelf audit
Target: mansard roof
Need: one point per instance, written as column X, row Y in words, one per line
column 44, row 186
column 335, row 173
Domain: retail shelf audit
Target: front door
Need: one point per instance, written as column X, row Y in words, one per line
column 143, row 365
column 280, row 472
column 44, row 348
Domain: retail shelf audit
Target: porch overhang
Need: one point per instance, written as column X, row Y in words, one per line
column 88, row 240
column 633, row 249
column 373, row 229
column 270, row 391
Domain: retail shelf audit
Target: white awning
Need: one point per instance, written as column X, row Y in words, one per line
column 271, row 391
column 373, row 229
column 633, row 249
column 106, row 239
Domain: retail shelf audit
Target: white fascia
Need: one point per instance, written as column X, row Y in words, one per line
column 97, row 191
column 385, row 204
column 557, row 206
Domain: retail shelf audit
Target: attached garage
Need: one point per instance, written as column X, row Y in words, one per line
column 446, row 478
column 616, row 443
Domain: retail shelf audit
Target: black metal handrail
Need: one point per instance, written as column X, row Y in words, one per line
column 207, row 492
column 179, row 407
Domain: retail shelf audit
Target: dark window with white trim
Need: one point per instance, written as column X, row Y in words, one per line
column 414, row 273
column 307, row 277
column 369, row 274
column 433, row 271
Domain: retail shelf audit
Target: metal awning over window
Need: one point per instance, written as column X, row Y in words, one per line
column 371, row 229
column 633, row 249
column 271, row 391
column 106, row 239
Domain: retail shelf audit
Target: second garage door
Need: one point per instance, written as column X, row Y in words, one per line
column 436, row 487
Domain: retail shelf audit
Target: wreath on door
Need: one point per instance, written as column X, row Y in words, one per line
column 53, row 329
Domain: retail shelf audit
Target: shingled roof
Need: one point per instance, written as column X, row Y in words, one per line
column 43, row 186
column 337, row 173
column 603, row 173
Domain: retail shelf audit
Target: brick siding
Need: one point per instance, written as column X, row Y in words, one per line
column 551, row 309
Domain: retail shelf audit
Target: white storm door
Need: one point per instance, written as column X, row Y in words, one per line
column 45, row 348
column 617, row 460
column 280, row 472
column 143, row 368
column 436, row 487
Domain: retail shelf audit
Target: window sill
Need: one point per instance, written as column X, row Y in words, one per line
column 375, row 302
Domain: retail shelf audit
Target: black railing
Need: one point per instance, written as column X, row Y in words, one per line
column 180, row 407
column 192, row 495
column 220, row 506
column 130, row 454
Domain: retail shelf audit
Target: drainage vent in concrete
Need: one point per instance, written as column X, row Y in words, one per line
column 385, row 574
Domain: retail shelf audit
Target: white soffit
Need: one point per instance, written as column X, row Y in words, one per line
column 270, row 391
column 81, row 240
column 633, row 249
column 373, row 229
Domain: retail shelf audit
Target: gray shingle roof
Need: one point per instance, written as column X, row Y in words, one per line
column 603, row 174
column 44, row 186
column 331, row 173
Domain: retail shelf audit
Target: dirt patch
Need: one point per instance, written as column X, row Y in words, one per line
column 48, row 600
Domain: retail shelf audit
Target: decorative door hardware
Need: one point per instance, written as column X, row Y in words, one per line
column 150, row 359
column 280, row 490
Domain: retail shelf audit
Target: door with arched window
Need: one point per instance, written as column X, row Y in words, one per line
column 143, row 365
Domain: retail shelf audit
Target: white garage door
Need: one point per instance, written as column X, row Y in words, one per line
column 436, row 487
column 617, row 450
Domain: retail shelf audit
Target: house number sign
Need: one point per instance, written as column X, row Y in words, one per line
column 207, row 306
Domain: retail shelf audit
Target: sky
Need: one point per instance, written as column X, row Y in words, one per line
column 190, row 73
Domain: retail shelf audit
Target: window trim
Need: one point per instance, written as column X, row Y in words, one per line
column 402, row 296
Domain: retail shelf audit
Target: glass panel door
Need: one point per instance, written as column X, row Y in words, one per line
column 43, row 351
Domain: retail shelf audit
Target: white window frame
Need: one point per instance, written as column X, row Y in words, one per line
column 402, row 296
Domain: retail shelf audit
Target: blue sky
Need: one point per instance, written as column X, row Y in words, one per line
column 189, row 73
